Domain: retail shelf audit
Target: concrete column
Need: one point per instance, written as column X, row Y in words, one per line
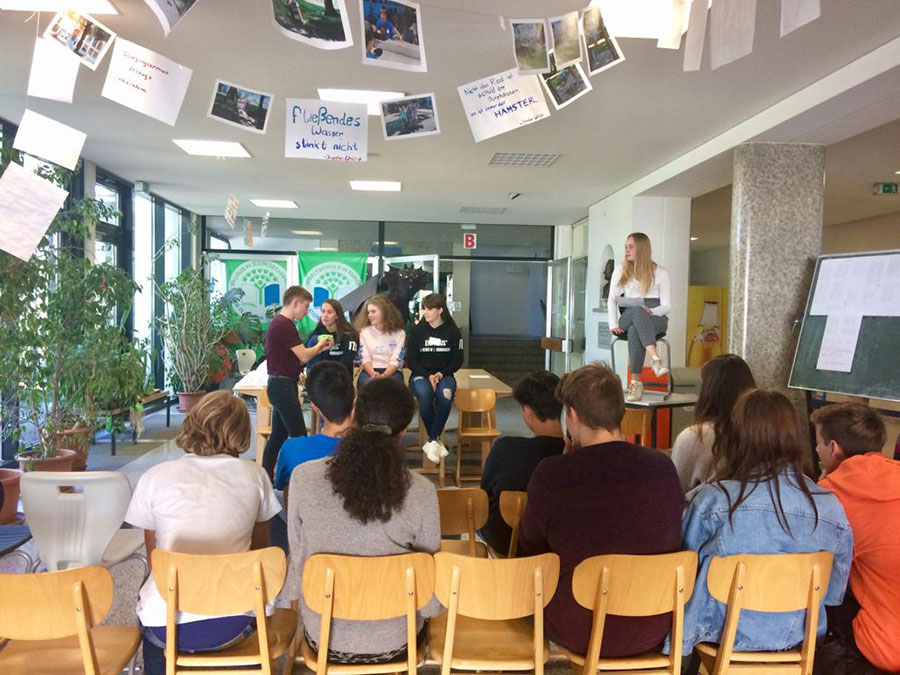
column 776, row 234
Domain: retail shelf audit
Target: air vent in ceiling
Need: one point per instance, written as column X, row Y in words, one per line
column 522, row 159
column 483, row 209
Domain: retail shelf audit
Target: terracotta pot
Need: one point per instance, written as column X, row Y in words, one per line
column 188, row 399
column 78, row 438
column 9, row 478
column 31, row 461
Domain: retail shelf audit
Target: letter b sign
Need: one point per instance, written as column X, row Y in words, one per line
column 470, row 240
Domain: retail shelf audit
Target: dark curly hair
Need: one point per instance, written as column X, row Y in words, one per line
column 368, row 470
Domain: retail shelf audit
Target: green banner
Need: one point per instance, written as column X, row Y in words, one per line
column 328, row 274
column 263, row 283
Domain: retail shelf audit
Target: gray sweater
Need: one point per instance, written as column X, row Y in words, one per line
column 318, row 523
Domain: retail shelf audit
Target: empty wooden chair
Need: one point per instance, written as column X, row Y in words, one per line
column 218, row 585
column 490, row 601
column 366, row 589
column 783, row 582
column 463, row 511
column 51, row 622
column 633, row 585
column 263, row 423
column 637, row 422
column 477, row 422
column 512, row 506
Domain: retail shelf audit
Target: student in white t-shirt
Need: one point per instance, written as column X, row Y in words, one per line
column 207, row 502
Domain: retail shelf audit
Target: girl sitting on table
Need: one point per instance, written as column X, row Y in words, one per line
column 381, row 341
column 434, row 352
column 345, row 345
column 640, row 297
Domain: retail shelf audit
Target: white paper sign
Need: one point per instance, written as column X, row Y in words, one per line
column 28, row 205
column 696, row 35
column 231, row 210
column 731, row 29
column 839, row 343
column 326, row 130
column 502, row 102
column 54, row 70
column 865, row 285
column 670, row 38
column 48, row 139
column 146, row 81
column 797, row 13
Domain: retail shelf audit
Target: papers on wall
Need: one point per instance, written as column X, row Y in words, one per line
column 797, row 13
column 565, row 39
column 731, row 28
column 50, row 140
column 696, row 35
column 82, row 35
column 309, row 21
column 864, row 285
column 145, row 81
column 28, row 205
column 170, row 12
column 392, row 35
column 54, row 70
column 501, row 103
column 839, row 343
column 231, row 210
column 673, row 23
column 531, row 45
column 326, row 130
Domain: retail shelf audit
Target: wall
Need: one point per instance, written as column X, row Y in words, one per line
column 873, row 234
column 710, row 268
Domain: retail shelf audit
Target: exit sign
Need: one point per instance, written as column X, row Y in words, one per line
column 470, row 240
column 885, row 189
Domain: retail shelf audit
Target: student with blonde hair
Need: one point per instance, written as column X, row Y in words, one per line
column 208, row 501
column 382, row 341
column 640, row 298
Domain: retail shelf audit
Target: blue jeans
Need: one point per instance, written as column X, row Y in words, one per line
column 434, row 404
column 364, row 378
column 209, row 635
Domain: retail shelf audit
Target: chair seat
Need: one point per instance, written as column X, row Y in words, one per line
column 479, row 432
column 124, row 543
column 114, row 645
column 281, row 625
column 461, row 547
column 647, row 660
column 311, row 658
column 486, row 645
column 751, row 663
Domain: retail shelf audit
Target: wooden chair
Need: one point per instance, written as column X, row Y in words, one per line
column 477, row 422
column 633, row 585
column 463, row 511
column 51, row 622
column 263, row 423
column 365, row 589
column 637, row 422
column 512, row 506
column 490, row 601
column 783, row 582
column 217, row 585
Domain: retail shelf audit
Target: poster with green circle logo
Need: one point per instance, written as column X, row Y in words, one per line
column 328, row 274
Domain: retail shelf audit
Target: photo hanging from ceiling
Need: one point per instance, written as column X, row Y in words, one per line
column 82, row 35
column 319, row 23
column 170, row 12
column 601, row 48
column 410, row 116
column 392, row 35
column 240, row 107
column 531, row 45
column 566, row 84
column 565, row 39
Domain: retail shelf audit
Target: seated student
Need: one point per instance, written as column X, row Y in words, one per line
column 207, row 502
column 722, row 380
column 363, row 501
column 345, row 341
column 760, row 501
column 330, row 390
column 604, row 496
column 866, row 627
column 382, row 339
column 513, row 458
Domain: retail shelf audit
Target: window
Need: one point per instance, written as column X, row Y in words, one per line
column 144, row 251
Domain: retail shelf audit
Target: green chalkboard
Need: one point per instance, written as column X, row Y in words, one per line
column 875, row 371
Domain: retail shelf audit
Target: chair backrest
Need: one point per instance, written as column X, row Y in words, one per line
column 512, row 506
column 635, row 585
column 73, row 528
column 475, row 400
column 781, row 582
column 463, row 510
column 246, row 358
column 637, row 423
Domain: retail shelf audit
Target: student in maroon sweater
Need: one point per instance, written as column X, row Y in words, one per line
column 602, row 496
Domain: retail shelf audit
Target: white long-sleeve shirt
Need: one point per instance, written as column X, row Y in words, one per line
column 660, row 289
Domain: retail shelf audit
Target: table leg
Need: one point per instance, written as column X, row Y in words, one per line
column 168, row 411
column 113, row 444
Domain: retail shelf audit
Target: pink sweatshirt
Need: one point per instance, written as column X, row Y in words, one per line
column 382, row 349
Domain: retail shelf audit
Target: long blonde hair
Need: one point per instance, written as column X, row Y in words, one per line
column 643, row 269
column 391, row 318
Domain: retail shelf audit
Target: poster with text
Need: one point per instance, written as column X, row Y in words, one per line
column 319, row 23
column 82, row 35
column 502, row 102
column 326, row 130
column 328, row 274
column 170, row 12
column 531, row 45
column 601, row 48
column 146, row 81
column 392, row 35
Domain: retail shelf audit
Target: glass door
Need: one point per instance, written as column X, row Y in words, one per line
column 557, row 342
column 578, row 299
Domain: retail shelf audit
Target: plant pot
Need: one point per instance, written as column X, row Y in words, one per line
column 9, row 478
column 31, row 460
column 78, row 438
column 188, row 399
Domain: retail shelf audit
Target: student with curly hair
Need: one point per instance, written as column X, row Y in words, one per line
column 382, row 340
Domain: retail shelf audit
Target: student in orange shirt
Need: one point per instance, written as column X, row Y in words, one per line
column 849, row 438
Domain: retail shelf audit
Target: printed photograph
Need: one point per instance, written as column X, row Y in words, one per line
column 82, row 35
column 320, row 23
column 410, row 116
column 169, row 12
column 240, row 107
column 392, row 35
column 566, row 42
column 601, row 48
column 566, row 85
column 530, row 43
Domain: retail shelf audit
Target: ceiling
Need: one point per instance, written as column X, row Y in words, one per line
column 641, row 114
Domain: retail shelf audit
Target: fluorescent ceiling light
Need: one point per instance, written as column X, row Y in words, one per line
column 694, row 238
column 308, row 233
column 376, row 185
column 392, row 243
column 82, row 6
column 274, row 203
column 897, row 173
column 211, row 148
column 327, row 248
column 369, row 97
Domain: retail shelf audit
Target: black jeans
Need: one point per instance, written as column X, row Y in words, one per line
column 837, row 653
column 287, row 418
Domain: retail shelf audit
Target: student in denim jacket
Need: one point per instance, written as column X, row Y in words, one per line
column 760, row 501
